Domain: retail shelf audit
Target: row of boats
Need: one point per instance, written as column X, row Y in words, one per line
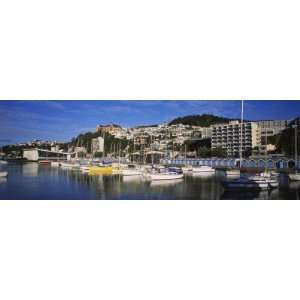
column 234, row 179
column 150, row 172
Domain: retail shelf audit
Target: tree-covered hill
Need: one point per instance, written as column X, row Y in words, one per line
column 204, row 120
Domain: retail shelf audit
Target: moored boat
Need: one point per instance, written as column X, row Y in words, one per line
column 271, row 181
column 3, row 162
column 163, row 174
column 246, row 183
column 294, row 176
column 203, row 169
column 55, row 163
column 187, row 169
column 45, row 162
column 3, row 174
column 100, row 170
column 233, row 172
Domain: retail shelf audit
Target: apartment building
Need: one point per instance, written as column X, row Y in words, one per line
column 272, row 127
column 235, row 137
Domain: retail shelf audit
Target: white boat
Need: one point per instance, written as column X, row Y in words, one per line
column 268, row 174
column 3, row 174
column 233, row 172
column 294, row 177
column 131, row 172
column 3, row 162
column 165, row 176
column 187, row 169
column 203, row 169
column 55, row 163
column 271, row 181
column 246, row 183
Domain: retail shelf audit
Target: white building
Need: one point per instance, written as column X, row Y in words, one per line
column 233, row 139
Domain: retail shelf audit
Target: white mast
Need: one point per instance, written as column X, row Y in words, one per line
column 151, row 149
column 241, row 134
column 296, row 144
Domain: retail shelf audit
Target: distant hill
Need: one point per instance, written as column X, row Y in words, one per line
column 204, row 120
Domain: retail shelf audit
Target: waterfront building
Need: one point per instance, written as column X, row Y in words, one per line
column 36, row 154
column 272, row 127
column 235, row 136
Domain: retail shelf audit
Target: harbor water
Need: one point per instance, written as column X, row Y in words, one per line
column 37, row 181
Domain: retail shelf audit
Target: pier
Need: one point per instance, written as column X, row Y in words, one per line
column 282, row 163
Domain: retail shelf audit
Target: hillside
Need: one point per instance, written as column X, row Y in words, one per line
column 204, row 120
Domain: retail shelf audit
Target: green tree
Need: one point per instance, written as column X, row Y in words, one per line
column 218, row 152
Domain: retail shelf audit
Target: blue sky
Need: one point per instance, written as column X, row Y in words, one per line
column 61, row 120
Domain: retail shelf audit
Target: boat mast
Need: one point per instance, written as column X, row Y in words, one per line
column 119, row 153
column 151, row 149
column 296, row 144
column 241, row 135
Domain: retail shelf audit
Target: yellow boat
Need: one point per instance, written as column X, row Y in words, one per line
column 100, row 170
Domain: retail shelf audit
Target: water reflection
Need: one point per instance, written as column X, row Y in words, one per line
column 30, row 169
column 3, row 180
column 132, row 178
column 203, row 175
column 166, row 182
column 34, row 181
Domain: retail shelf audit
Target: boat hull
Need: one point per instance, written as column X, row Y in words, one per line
column 55, row 164
column 252, row 183
column 232, row 172
column 3, row 174
column 294, row 177
column 203, row 169
column 101, row 170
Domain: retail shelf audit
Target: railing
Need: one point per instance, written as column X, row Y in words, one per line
column 228, row 162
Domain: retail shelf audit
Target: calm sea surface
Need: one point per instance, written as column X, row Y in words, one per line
column 34, row 181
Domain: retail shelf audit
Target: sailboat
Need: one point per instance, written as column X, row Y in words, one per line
column 249, row 182
column 270, row 176
column 203, row 169
column 295, row 176
column 186, row 168
column 236, row 172
column 3, row 174
column 163, row 174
